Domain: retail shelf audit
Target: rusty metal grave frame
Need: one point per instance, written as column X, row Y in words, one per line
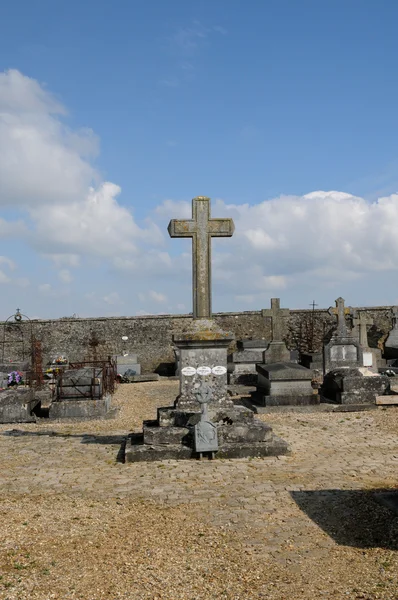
column 105, row 370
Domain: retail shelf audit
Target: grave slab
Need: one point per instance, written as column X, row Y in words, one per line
column 354, row 386
column 285, row 384
column 80, row 409
column 17, row 405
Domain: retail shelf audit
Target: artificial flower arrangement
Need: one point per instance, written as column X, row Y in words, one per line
column 60, row 360
column 15, row 378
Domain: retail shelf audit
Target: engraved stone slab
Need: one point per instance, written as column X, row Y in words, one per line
column 344, row 353
column 206, row 439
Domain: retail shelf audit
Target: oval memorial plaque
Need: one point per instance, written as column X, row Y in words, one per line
column 203, row 370
column 219, row 370
column 188, row 371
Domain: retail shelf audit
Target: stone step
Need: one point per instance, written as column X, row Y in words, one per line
column 142, row 452
column 387, row 400
column 155, row 435
column 141, row 378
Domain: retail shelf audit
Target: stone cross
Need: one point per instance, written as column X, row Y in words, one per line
column 276, row 313
column 201, row 228
column 340, row 311
column 361, row 321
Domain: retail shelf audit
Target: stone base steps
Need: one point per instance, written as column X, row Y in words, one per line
column 139, row 452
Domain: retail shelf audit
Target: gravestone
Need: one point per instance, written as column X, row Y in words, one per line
column 391, row 343
column 128, row 362
column 277, row 350
column 354, row 386
column 347, row 380
column 282, row 384
column 371, row 356
column 202, row 357
column 343, row 350
column 17, row 405
column 242, row 363
column 205, row 432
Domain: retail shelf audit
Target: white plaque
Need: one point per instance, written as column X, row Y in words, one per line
column 188, row 371
column 203, row 370
column 219, row 370
column 367, row 359
column 125, row 338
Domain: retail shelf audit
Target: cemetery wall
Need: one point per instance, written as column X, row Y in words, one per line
column 151, row 336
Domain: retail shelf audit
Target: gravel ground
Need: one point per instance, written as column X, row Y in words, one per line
column 75, row 523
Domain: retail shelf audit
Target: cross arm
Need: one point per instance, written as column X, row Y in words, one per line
column 181, row 228
column 221, row 227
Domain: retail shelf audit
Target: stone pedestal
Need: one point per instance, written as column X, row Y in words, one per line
column 242, row 364
column 285, row 384
column 313, row 361
column 342, row 351
column 203, row 359
column 275, row 353
column 354, row 386
column 80, row 409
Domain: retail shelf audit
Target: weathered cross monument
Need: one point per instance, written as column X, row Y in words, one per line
column 180, row 431
column 347, row 380
column 276, row 351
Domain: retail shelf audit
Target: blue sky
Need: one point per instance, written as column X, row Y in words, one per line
column 267, row 102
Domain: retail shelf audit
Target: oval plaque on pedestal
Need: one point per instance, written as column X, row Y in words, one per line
column 219, row 370
column 189, row 371
column 203, row 370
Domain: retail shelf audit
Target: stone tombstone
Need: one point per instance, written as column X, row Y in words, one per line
column 242, row 363
column 343, row 350
column 371, row 356
column 277, row 350
column 282, row 384
column 391, row 343
column 205, row 432
column 203, row 357
column 128, row 362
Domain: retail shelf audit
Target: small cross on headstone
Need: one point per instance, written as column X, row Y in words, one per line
column 340, row 311
column 276, row 314
column 201, row 228
column 361, row 321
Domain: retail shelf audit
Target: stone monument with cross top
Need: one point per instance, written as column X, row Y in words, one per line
column 371, row 356
column 182, row 431
column 343, row 349
column 277, row 350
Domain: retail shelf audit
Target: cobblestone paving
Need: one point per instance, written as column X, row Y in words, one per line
column 295, row 508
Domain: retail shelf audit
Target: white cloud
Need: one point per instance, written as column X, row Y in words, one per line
column 46, row 173
column 8, row 262
column 45, row 288
column 65, row 212
column 4, row 278
column 112, row 298
column 65, row 276
column 41, row 160
column 157, row 296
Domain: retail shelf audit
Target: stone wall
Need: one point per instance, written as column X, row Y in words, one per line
column 151, row 336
